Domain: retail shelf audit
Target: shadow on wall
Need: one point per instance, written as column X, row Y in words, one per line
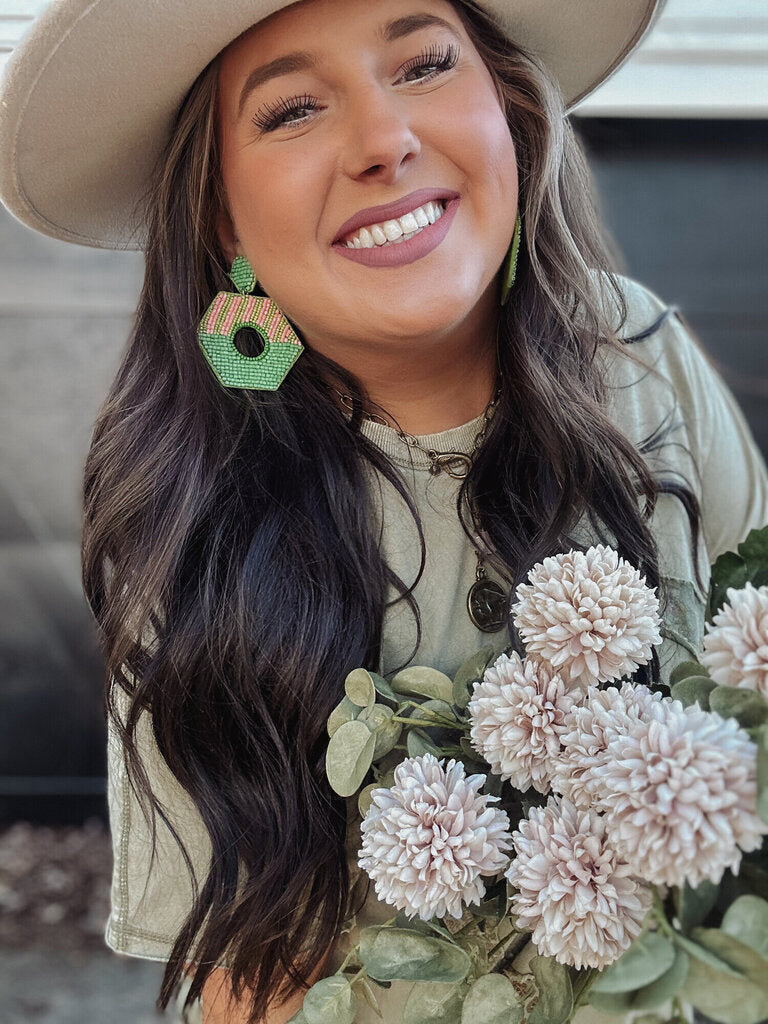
column 686, row 203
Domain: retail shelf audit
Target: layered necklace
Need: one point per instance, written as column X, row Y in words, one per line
column 486, row 600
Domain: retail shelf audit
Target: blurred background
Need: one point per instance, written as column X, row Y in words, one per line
column 678, row 143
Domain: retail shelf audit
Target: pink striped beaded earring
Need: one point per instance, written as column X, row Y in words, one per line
column 229, row 313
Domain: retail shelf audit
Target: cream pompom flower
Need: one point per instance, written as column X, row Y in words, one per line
column 589, row 614
column 428, row 840
column 679, row 794
column 736, row 641
column 574, row 893
column 518, row 713
column 588, row 729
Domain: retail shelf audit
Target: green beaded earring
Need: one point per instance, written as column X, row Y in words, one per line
column 229, row 313
column 509, row 266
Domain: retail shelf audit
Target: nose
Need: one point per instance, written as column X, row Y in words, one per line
column 381, row 141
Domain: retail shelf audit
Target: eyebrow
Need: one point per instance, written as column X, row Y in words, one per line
column 299, row 61
column 303, row 61
column 412, row 23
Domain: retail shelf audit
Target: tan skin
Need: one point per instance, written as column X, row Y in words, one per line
column 386, row 105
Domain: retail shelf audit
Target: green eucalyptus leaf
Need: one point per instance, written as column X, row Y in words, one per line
column 664, row 988
column 736, row 954
column 553, row 981
column 431, row 1002
column 693, row 905
column 364, row 798
column 298, row 1018
column 649, row 956
column 363, row 988
column 729, row 570
column 747, row 920
column 686, row 669
column 345, row 711
column 683, row 614
column 383, row 688
column 492, row 1000
column 746, row 706
column 386, row 732
column 614, row 1003
column 705, row 956
column 471, row 670
column 754, row 550
column 418, row 744
column 330, row 1001
column 421, row 681
column 722, row 997
column 762, row 773
column 692, row 690
column 404, row 954
column 359, row 687
column 348, row 757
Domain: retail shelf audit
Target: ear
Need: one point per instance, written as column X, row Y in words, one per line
column 225, row 231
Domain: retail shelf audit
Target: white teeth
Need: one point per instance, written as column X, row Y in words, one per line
column 399, row 229
column 392, row 230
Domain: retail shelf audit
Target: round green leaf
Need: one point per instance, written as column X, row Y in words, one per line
column 348, row 757
column 693, row 690
column 647, row 959
column 363, row 988
column 345, row 711
column 747, row 707
column 399, row 954
column 298, row 1018
column 492, row 1000
column 386, row 732
column 553, row 981
column 739, row 956
column 699, row 952
column 421, row 681
column 747, row 920
column 686, row 669
column 435, row 1003
column 418, row 744
column 364, row 800
column 724, row 997
column 330, row 1001
column 665, row 987
column 359, row 687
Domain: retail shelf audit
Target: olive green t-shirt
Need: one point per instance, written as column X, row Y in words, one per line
column 708, row 446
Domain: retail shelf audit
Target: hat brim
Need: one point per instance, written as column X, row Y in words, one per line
column 88, row 97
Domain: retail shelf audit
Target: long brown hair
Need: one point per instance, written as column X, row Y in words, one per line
column 228, row 551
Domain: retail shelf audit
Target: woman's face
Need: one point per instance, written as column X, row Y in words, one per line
column 344, row 125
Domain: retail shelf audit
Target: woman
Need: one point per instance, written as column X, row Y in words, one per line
column 253, row 533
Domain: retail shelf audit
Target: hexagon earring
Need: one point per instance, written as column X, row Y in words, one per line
column 509, row 266
column 229, row 313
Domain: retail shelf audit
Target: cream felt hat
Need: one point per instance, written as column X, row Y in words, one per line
column 88, row 98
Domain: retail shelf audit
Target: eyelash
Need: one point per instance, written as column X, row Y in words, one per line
column 436, row 59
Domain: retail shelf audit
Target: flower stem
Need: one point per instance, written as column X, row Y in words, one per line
column 660, row 915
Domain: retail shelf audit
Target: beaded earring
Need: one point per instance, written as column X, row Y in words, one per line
column 229, row 313
column 509, row 266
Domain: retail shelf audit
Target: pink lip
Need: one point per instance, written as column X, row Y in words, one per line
column 398, row 254
column 389, row 211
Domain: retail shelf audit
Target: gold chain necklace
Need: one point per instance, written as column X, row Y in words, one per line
column 486, row 600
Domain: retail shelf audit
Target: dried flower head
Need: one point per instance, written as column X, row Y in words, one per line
column 589, row 614
column 679, row 794
column 518, row 713
column 736, row 642
column 428, row 840
column 588, row 729
column 573, row 891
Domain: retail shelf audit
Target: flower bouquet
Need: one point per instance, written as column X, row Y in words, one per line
column 550, row 835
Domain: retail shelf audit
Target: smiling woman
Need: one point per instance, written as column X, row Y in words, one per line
column 443, row 392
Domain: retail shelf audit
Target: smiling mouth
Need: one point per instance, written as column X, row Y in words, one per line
column 399, row 229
